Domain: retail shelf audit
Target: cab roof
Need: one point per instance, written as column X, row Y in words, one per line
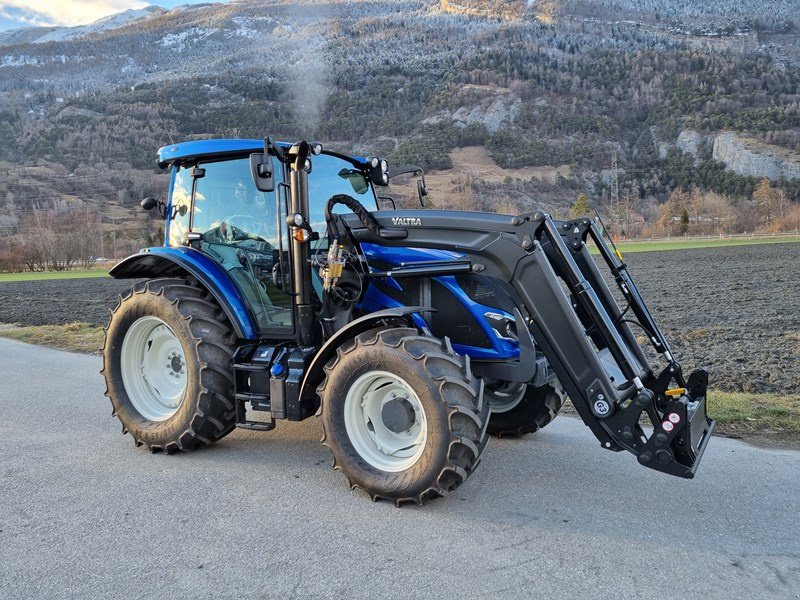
column 203, row 149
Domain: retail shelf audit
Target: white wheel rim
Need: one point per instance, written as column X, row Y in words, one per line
column 153, row 368
column 506, row 396
column 385, row 421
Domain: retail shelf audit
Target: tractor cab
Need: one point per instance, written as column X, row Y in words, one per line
column 215, row 206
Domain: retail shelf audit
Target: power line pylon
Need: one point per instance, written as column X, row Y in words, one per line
column 614, row 188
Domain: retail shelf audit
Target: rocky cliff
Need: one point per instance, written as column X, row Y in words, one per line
column 746, row 156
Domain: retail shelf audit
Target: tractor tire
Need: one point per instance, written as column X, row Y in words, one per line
column 167, row 364
column 518, row 409
column 402, row 415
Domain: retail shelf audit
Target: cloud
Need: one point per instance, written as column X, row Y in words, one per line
column 66, row 12
column 15, row 18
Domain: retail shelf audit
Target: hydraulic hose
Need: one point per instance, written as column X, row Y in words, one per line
column 362, row 213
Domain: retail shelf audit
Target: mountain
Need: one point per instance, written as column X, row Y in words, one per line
column 514, row 105
column 40, row 35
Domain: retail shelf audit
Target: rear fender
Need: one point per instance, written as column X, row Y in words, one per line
column 162, row 261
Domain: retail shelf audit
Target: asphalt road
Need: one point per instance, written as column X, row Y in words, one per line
column 84, row 514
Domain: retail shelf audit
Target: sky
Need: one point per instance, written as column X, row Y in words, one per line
column 26, row 13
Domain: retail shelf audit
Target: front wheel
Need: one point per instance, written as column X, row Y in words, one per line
column 403, row 415
column 519, row 408
column 167, row 365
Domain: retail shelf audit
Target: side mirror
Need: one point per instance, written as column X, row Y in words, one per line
column 263, row 172
column 422, row 190
column 150, row 203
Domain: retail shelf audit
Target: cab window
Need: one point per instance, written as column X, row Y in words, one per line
column 332, row 175
column 239, row 229
column 180, row 204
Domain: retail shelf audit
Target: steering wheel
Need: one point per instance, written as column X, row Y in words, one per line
column 246, row 223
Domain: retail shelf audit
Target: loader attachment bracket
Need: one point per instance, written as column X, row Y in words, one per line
column 617, row 410
column 680, row 439
column 681, row 431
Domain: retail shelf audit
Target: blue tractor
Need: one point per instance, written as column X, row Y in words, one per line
column 284, row 290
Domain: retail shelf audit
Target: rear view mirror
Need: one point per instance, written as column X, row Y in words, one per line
column 263, row 172
column 422, row 188
column 150, row 203
column 384, row 202
column 356, row 179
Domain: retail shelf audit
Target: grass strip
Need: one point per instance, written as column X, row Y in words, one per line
column 45, row 275
column 679, row 244
column 75, row 337
column 765, row 417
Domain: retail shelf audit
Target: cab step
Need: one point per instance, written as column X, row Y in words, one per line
column 257, row 425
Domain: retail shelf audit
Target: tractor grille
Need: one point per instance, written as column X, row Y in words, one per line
column 452, row 318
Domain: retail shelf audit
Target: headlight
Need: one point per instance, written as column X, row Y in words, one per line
column 502, row 325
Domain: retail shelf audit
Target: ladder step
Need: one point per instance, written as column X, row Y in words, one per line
column 249, row 367
column 250, row 397
column 257, row 425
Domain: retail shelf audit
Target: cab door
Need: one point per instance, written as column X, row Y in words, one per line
column 244, row 230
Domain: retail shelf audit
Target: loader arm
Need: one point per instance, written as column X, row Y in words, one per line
column 576, row 321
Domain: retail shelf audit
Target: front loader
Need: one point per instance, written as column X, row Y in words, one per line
column 280, row 291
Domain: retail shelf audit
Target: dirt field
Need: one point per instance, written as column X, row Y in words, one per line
column 59, row 301
column 734, row 311
column 470, row 162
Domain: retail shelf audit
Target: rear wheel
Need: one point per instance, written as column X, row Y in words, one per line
column 402, row 415
column 167, row 365
column 519, row 408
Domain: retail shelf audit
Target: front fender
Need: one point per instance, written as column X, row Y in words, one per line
column 315, row 372
column 163, row 261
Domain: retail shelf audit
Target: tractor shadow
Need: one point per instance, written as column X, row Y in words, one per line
column 562, row 461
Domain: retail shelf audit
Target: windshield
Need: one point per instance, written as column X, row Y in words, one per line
column 332, row 175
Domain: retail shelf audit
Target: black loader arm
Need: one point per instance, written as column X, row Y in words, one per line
column 575, row 320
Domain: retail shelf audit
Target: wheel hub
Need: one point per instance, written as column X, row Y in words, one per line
column 505, row 395
column 385, row 421
column 175, row 364
column 398, row 415
column 153, row 368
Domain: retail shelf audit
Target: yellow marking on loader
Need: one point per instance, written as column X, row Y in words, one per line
column 675, row 392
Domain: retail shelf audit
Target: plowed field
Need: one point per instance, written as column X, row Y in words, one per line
column 734, row 310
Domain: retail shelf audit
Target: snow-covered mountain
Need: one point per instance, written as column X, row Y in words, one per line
column 40, row 35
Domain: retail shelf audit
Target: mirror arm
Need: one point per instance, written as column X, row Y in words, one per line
column 388, row 199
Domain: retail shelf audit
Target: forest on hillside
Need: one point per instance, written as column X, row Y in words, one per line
column 539, row 84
